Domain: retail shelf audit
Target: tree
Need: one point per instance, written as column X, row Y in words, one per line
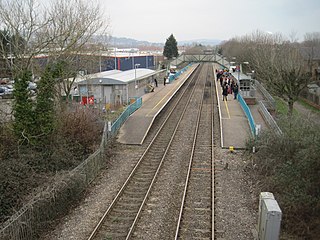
column 23, row 109
column 44, row 107
column 277, row 63
column 311, row 45
column 60, row 32
column 74, row 23
column 170, row 48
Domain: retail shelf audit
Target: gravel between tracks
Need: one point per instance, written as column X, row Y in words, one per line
column 236, row 204
column 236, row 207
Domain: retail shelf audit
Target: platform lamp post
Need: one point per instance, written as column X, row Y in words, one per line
column 135, row 76
column 252, row 74
column 100, row 67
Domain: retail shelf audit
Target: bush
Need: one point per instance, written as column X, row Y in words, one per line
column 81, row 126
column 27, row 169
column 289, row 166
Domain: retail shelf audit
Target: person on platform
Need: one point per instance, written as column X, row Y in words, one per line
column 225, row 92
column 235, row 90
column 164, row 81
column 156, row 82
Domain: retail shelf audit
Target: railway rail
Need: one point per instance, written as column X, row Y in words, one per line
column 196, row 218
column 120, row 219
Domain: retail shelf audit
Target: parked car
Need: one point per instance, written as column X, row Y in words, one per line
column 6, row 91
column 2, row 91
column 9, row 88
column 32, row 86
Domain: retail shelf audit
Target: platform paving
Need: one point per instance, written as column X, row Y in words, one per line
column 235, row 129
column 137, row 126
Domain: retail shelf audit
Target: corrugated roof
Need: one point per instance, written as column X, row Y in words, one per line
column 129, row 75
column 115, row 77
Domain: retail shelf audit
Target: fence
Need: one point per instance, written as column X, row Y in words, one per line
column 270, row 103
column 311, row 97
column 268, row 118
column 123, row 117
column 247, row 111
column 41, row 210
column 177, row 74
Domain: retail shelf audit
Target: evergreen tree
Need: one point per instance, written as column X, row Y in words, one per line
column 34, row 120
column 23, row 125
column 170, row 48
column 44, row 110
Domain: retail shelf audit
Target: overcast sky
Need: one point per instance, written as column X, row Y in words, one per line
column 154, row 21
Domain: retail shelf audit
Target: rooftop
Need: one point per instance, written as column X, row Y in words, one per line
column 115, row 76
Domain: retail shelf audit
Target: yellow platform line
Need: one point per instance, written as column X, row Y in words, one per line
column 226, row 104
column 147, row 115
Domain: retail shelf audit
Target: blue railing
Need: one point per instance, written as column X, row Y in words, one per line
column 247, row 111
column 123, row 117
column 177, row 74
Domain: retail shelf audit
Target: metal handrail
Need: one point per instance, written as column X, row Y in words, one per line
column 271, row 102
column 268, row 118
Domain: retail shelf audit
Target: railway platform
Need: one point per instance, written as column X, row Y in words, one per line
column 136, row 128
column 234, row 125
column 235, row 129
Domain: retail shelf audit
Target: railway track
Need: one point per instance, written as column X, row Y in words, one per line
column 196, row 217
column 120, row 218
column 184, row 139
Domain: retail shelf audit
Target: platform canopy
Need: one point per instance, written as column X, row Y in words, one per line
column 115, row 77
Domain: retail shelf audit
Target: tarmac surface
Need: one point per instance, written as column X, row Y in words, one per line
column 234, row 125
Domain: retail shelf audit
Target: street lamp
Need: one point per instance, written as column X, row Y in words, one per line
column 100, row 59
column 135, row 75
column 252, row 74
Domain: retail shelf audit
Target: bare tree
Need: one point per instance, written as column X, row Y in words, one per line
column 311, row 45
column 74, row 24
column 277, row 62
column 22, row 22
column 60, row 31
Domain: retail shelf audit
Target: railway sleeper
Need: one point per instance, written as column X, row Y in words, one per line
column 126, row 202
column 190, row 233
column 132, row 198
column 119, row 220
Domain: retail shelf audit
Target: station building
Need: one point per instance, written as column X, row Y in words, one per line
column 115, row 88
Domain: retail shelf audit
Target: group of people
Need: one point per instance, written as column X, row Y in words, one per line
column 228, row 84
column 156, row 82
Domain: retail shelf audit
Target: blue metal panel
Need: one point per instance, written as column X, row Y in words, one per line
column 247, row 111
column 127, row 63
column 123, row 117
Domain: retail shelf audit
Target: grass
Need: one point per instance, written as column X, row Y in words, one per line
column 113, row 115
column 308, row 106
column 282, row 107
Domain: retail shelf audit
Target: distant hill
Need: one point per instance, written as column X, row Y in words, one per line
column 129, row 42
column 132, row 43
column 206, row 42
